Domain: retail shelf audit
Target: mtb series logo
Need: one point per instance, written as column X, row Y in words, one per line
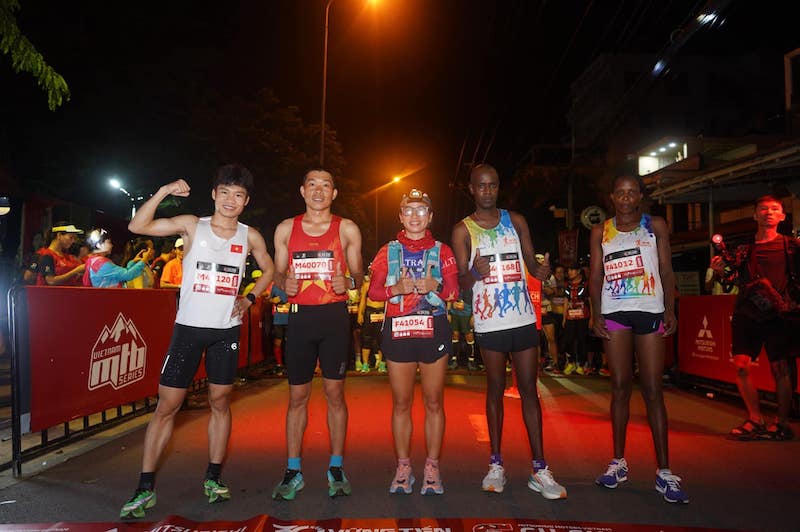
column 118, row 356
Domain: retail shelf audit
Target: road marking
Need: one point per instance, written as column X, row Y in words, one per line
column 479, row 427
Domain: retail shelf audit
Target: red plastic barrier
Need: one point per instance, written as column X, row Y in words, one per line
column 96, row 348
column 704, row 341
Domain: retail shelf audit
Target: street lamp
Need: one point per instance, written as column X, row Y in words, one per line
column 328, row 4
column 116, row 184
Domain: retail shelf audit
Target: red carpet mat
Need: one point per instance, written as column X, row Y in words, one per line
column 264, row 523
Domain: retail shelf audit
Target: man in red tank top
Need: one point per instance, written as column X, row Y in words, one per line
column 312, row 253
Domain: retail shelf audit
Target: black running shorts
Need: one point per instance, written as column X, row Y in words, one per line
column 509, row 340
column 748, row 337
column 424, row 350
column 317, row 333
column 186, row 349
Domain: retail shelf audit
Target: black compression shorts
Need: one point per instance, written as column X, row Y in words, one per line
column 318, row 332
column 186, row 349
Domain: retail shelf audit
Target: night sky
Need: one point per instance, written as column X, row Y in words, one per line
column 409, row 82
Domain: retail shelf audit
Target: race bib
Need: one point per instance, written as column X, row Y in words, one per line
column 503, row 268
column 313, row 265
column 576, row 314
column 211, row 278
column 623, row 264
column 412, row 327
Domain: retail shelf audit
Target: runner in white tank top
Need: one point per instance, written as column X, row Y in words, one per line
column 491, row 246
column 633, row 287
column 207, row 323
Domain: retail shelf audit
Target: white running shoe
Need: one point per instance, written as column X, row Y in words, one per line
column 543, row 482
column 495, row 479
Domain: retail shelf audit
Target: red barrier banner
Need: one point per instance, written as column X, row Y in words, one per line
column 704, row 341
column 265, row 523
column 92, row 349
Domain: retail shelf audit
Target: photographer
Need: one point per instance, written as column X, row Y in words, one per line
column 764, row 272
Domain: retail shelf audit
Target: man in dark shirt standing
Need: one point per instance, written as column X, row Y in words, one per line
column 766, row 258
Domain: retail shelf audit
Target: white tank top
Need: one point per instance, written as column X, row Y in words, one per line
column 212, row 271
column 631, row 281
column 501, row 300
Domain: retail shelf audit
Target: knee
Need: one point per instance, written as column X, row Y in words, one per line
column 470, row 338
column 454, row 336
column 433, row 403
column 401, row 405
column 652, row 394
column 620, row 388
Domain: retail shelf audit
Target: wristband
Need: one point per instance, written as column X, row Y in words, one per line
column 475, row 273
column 389, row 292
column 250, row 297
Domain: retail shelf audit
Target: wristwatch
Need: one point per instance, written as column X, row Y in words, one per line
column 352, row 283
column 250, row 297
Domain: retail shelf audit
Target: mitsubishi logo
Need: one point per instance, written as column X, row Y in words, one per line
column 705, row 331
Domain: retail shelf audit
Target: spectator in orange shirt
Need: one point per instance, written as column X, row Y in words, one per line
column 172, row 274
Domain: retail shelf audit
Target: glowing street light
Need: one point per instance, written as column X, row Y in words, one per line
column 328, row 4
column 117, row 184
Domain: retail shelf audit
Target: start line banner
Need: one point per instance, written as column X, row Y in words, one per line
column 265, row 523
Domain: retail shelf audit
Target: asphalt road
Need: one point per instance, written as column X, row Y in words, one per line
column 733, row 485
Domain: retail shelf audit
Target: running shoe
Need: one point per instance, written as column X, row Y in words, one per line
column 403, row 481
column 603, row 372
column 432, row 485
column 358, row 366
column 617, row 472
column 669, row 486
column 472, row 365
column 512, row 392
column 287, row 489
column 495, row 479
column 135, row 507
column 452, row 363
column 215, row 490
column 570, row 368
column 364, row 368
column 580, row 370
column 543, row 482
column 338, row 485
column 381, row 367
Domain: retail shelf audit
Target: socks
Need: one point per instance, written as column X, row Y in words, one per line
column 539, row 464
column 336, row 461
column 293, row 463
column 404, row 462
column 147, row 481
column 434, row 463
column 214, row 471
column 496, row 459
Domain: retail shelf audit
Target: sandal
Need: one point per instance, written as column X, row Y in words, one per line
column 778, row 432
column 749, row 430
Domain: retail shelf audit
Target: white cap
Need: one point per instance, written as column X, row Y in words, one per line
column 179, row 243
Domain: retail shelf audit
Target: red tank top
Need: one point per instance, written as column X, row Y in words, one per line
column 314, row 260
column 63, row 263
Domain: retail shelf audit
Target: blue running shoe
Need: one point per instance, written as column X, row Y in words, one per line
column 292, row 483
column 617, row 472
column 338, row 485
column 669, row 486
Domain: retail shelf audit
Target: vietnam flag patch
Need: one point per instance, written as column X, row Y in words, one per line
column 236, row 248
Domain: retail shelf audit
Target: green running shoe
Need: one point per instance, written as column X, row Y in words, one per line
column 142, row 500
column 338, row 485
column 216, row 491
column 292, row 483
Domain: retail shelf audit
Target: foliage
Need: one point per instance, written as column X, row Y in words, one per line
column 272, row 140
column 25, row 58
